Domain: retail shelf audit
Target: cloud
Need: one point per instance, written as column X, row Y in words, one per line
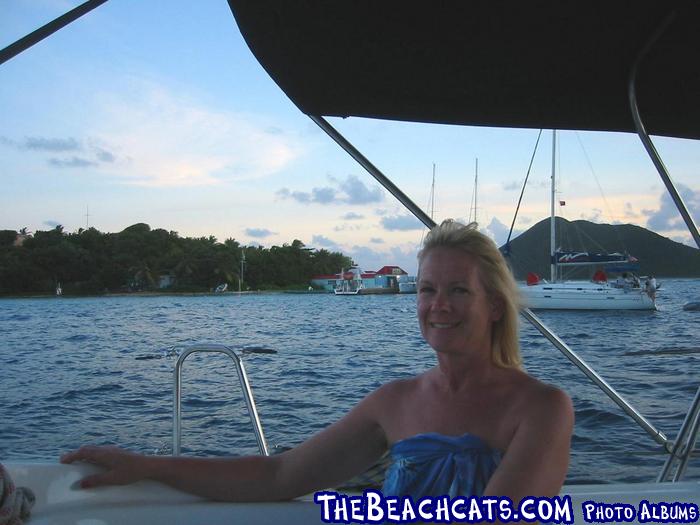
column 351, row 216
column 324, row 242
column 594, row 215
column 50, row 144
column 370, row 259
column 44, row 144
column 349, row 191
column 667, row 217
column 73, row 162
column 629, row 211
column 167, row 139
column 51, row 223
column 511, row 186
column 104, row 155
column 401, row 223
column 323, row 195
column 499, row 232
column 347, row 227
column 376, row 240
column 259, row 232
column 358, row 193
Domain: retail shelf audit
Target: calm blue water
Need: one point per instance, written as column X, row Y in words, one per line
column 99, row 370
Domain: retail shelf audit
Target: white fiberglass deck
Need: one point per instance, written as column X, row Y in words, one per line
column 58, row 503
column 584, row 295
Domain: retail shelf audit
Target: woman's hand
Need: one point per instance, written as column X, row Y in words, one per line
column 122, row 467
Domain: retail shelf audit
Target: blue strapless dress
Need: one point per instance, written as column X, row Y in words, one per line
column 435, row 465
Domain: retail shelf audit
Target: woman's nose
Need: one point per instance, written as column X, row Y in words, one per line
column 440, row 302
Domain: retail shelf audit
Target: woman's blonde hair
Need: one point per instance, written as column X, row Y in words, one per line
column 496, row 278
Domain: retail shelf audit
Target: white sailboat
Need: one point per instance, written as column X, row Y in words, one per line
column 600, row 294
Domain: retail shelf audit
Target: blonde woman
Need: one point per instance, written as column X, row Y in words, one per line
column 474, row 424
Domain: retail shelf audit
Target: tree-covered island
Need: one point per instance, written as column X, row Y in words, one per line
column 144, row 259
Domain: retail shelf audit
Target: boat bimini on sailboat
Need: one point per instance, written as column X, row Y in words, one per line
column 595, row 294
column 477, row 63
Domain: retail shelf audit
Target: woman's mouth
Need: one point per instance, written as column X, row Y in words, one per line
column 444, row 325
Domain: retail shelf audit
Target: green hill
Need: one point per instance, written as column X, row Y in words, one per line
column 657, row 255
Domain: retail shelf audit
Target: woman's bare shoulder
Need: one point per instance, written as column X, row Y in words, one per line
column 542, row 402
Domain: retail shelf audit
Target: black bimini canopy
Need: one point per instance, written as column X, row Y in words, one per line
column 539, row 63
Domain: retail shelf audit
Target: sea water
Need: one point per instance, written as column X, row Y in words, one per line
column 100, row 370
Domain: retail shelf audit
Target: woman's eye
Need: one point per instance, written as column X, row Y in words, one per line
column 425, row 289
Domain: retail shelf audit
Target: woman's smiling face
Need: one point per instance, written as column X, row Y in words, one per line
column 454, row 312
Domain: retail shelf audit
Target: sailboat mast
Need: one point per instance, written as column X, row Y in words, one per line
column 552, row 220
column 476, row 182
column 432, row 195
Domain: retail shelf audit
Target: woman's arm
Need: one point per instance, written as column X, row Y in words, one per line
column 344, row 449
column 537, row 458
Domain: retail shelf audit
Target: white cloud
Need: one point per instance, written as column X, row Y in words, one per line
column 499, row 232
column 324, row 242
column 259, row 232
column 370, row 259
column 171, row 140
column 401, row 223
column 667, row 217
column 349, row 191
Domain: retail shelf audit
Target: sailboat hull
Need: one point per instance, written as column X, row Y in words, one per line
column 572, row 295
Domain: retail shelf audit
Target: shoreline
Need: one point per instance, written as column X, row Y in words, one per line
column 160, row 294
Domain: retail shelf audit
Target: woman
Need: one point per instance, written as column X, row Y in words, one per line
column 475, row 424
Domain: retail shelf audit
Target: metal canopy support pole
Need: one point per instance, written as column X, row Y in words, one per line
column 46, row 30
column 646, row 140
column 372, row 169
column 688, row 432
column 689, row 428
column 658, row 436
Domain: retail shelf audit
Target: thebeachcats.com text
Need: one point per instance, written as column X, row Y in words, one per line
column 373, row 507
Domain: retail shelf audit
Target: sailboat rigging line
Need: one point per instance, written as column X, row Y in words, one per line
column 46, row 30
column 522, row 192
column 373, row 170
column 655, row 434
column 600, row 188
column 687, row 433
column 644, row 136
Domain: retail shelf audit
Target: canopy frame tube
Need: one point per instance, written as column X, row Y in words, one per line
column 646, row 140
column 655, row 434
column 47, row 30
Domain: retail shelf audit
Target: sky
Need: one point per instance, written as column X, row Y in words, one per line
column 157, row 112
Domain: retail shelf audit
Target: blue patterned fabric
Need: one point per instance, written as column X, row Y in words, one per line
column 436, row 465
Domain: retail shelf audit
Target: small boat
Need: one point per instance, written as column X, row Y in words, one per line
column 221, row 288
column 350, row 282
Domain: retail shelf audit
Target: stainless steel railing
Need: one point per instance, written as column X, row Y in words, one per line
column 245, row 387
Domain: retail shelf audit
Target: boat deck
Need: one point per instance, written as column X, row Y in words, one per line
column 58, row 503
